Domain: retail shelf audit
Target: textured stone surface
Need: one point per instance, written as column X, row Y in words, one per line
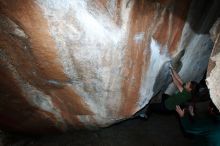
column 90, row 63
column 213, row 76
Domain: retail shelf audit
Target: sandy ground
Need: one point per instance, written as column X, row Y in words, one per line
column 158, row 130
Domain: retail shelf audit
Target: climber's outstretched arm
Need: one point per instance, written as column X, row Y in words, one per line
column 177, row 80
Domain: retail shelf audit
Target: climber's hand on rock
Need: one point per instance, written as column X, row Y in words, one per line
column 171, row 67
column 171, row 72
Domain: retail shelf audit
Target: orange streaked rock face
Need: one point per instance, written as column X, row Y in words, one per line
column 83, row 64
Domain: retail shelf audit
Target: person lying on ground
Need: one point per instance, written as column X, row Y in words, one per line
column 205, row 129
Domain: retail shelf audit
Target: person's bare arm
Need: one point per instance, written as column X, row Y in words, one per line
column 177, row 83
column 177, row 77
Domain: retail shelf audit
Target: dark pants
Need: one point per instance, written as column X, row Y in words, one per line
column 159, row 107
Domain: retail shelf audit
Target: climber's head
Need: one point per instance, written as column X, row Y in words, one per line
column 191, row 86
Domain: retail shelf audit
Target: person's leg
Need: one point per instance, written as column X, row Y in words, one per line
column 164, row 97
column 158, row 107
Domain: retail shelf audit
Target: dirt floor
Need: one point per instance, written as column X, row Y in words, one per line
column 158, row 130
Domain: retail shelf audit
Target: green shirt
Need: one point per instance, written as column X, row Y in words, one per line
column 205, row 130
column 177, row 99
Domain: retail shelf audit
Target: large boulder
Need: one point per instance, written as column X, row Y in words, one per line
column 213, row 74
column 89, row 63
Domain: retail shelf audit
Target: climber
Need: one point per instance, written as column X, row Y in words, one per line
column 186, row 92
column 205, row 129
